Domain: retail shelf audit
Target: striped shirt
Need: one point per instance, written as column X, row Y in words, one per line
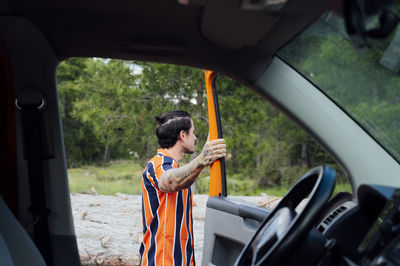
column 167, row 218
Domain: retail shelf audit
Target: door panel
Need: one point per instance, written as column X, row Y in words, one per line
column 229, row 224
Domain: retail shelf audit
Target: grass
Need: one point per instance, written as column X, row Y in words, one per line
column 125, row 177
column 342, row 187
column 116, row 177
column 274, row 191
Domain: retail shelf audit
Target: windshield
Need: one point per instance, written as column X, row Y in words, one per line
column 364, row 82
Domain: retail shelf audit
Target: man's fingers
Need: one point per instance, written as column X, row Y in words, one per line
column 219, row 152
column 218, row 146
column 216, row 142
column 214, row 150
column 218, row 156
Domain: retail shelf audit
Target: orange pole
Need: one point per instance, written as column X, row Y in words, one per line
column 215, row 188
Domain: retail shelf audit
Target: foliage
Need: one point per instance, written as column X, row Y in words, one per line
column 81, row 145
column 359, row 81
column 108, row 109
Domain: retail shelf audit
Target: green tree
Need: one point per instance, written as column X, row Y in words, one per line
column 81, row 145
column 168, row 87
column 118, row 105
column 107, row 96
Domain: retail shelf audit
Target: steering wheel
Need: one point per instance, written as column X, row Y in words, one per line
column 285, row 229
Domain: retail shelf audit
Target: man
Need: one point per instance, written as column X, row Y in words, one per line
column 167, row 197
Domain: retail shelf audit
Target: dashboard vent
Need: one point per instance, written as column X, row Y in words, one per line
column 328, row 220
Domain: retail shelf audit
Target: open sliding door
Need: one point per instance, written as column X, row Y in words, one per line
column 229, row 223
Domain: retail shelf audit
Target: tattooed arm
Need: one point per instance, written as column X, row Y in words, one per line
column 180, row 178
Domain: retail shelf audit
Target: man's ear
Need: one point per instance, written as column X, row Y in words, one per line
column 182, row 134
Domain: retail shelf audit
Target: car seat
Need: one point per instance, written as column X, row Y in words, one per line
column 16, row 247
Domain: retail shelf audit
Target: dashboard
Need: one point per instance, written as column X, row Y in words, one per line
column 362, row 231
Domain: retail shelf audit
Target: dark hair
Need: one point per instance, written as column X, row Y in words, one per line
column 170, row 126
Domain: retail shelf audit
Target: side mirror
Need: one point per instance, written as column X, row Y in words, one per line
column 356, row 14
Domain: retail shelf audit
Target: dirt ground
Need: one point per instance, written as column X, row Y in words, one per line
column 109, row 228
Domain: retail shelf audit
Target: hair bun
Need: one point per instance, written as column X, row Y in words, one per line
column 158, row 119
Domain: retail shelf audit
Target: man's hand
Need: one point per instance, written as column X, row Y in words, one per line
column 212, row 150
column 180, row 178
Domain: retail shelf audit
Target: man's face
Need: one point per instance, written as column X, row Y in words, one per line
column 190, row 140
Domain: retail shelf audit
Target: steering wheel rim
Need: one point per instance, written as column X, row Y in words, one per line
column 318, row 183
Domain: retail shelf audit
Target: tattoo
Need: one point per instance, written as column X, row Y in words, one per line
column 180, row 178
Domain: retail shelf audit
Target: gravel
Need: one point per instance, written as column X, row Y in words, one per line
column 109, row 228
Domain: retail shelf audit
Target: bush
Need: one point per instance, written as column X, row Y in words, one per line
column 270, row 179
column 236, row 186
column 291, row 174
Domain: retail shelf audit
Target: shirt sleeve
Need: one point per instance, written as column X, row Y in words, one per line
column 150, row 177
column 168, row 163
column 165, row 164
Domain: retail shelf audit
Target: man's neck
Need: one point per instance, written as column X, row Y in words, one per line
column 176, row 152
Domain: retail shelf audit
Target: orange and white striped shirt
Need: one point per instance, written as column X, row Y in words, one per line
column 167, row 218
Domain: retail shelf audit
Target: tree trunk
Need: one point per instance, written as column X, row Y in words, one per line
column 199, row 96
column 261, row 138
column 107, row 154
column 277, row 148
column 149, row 147
column 304, row 154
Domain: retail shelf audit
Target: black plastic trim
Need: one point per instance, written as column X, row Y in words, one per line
column 245, row 211
column 219, row 128
column 66, row 252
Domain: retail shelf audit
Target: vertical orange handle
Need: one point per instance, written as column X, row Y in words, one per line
column 215, row 188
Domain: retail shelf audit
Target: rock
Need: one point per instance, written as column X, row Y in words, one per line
column 117, row 222
column 105, row 242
